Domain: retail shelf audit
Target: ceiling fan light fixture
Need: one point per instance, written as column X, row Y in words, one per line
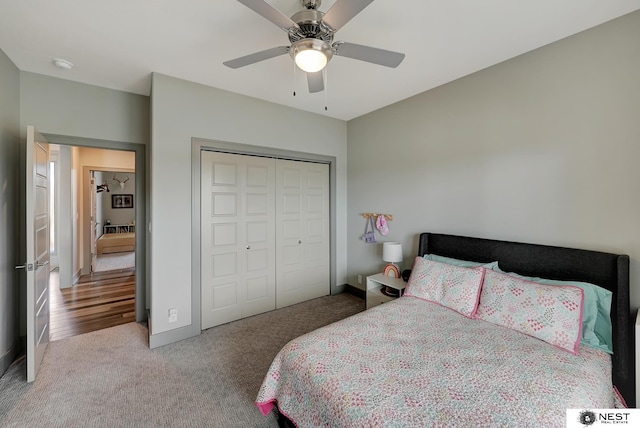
column 310, row 60
column 311, row 55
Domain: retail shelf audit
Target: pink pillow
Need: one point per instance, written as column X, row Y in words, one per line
column 548, row 312
column 455, row 287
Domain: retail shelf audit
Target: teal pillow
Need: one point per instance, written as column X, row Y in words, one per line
column 596, row 320
column 460, row 263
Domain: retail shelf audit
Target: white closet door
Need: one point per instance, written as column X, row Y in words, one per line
column 302, row 232
column 238, row 237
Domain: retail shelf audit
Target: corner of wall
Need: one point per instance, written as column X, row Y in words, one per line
column 10, row 223
column 172, row 336
column 11, row 355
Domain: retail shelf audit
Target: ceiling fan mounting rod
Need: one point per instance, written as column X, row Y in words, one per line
column 311, row 4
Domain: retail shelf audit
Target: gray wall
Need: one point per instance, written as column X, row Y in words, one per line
column 9, row 157
column 182, row 110
column 542, row 148
column 116, row 215
column 62, row 107
column 81, row 114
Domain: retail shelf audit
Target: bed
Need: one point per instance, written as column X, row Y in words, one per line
column 413, row 362
column 116, row 242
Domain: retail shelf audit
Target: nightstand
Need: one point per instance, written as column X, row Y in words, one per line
column 375, row 284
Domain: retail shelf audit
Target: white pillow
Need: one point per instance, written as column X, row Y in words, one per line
column 455, row 287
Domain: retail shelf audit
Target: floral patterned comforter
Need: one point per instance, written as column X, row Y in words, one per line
column 413, row 363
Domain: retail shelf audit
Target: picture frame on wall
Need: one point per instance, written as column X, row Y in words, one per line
column 121, row 201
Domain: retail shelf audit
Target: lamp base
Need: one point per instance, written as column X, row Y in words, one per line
column 391, row 270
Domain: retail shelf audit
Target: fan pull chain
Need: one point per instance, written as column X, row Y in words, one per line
column 326, row 87
column 294, row 78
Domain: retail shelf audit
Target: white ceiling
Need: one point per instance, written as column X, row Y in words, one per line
column 118, row 44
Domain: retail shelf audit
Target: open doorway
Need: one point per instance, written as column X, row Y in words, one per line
column 93, row 286
column 113, row 220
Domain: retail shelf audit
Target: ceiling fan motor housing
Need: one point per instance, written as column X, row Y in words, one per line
column 310, row 27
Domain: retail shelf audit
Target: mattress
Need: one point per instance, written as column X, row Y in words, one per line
column 116, row 242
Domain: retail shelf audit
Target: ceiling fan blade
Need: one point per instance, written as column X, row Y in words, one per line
column 369, row 54
column 316, row 82
column 269, row 12
column 343, row 11
column 256, row 57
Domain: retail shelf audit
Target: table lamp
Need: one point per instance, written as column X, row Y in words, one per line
column 392, row 253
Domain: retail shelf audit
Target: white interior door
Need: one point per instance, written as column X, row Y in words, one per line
column 238, row 237
column 302, row 232
column 37, row 245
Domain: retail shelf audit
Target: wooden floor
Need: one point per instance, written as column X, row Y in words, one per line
column 99, row 300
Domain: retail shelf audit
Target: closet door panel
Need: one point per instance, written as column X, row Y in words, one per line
column 224, row 295
column 289, row 283
column 224, row 265
column 237, row 224
column 302, row 232
column 224, row 234
column 224, row 204
column 317, row 250
column 219, row 223
column 259, row 289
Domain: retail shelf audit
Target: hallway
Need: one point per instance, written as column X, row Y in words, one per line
column 99, row 300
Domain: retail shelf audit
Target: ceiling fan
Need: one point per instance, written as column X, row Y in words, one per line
column 311, row 34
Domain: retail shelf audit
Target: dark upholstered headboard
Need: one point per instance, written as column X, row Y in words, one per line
column 610, row 271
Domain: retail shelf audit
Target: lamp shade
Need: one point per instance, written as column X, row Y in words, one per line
column 392, row 252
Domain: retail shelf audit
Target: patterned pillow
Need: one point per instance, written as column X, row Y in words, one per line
column 550, row 313
column 596, row 315
column 455, row 287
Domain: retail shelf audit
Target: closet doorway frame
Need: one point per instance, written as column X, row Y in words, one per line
column 198, row 145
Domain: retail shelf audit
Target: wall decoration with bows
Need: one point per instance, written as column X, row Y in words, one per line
column 381, row 223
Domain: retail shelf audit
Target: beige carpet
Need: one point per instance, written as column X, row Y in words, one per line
column 110, row 378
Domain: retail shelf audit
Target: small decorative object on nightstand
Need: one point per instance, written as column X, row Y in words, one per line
column 379, row 282
column 392, row 253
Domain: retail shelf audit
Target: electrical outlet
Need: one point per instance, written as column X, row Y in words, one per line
column 173, row 315
column 359, row 279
